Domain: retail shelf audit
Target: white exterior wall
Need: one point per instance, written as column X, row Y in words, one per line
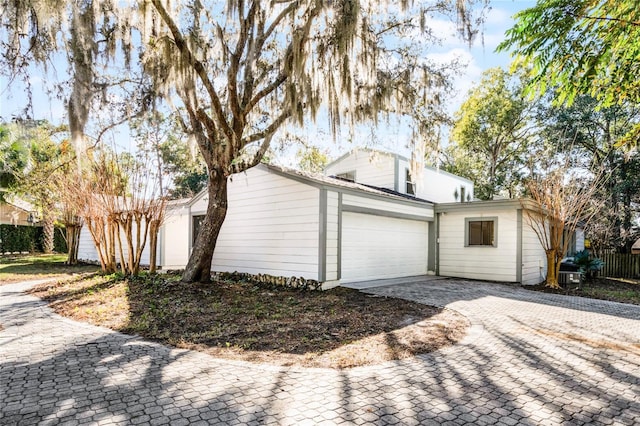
column 436, row 185
column 380, row 169
column 371, row 168
column 87, row 249
column 483, row 263
column 332, row 232
column 272, row 226
column 174, row 238
column 425, row 210
column 534, row 261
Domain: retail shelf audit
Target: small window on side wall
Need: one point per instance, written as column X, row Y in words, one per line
column 410, row 185
column 481, row 232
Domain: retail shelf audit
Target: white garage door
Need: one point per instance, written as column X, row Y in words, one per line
column 375, row 247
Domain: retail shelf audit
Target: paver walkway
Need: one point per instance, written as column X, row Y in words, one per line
column 530, row 358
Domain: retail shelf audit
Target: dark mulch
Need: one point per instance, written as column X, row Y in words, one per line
column 613, row 289
column 339, row 328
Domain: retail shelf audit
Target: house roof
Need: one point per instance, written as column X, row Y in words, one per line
column 512, row 203
column 515, row 203
column 398, row 156
column 323, row 181
column 178, row 202
column 19, row 203
column 332, row 181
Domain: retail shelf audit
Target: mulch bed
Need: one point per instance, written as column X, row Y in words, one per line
column 338, row 328
column 615, row 290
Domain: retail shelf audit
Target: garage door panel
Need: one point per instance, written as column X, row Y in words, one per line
column 375, row 247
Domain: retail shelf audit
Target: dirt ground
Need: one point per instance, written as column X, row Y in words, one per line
column 614, row 289
column 338, row 328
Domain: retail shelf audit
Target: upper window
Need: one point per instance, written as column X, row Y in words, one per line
column 481, row 232
column 410, row 185
column 350, row 176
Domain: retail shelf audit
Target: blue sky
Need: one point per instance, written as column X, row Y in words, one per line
column 479, row 57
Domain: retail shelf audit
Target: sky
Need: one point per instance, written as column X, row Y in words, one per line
column 389, row 136
column 478, row 57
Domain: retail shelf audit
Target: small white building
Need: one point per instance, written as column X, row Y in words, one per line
column 360, row 221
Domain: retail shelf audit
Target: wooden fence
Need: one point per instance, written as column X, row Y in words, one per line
column 620, row 265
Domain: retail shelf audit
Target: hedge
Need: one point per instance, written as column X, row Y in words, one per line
column 59, row 243
column 28, row 238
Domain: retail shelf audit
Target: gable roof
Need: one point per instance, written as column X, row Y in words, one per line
column 336, row 182
column 396, row 156
column 323, row 181
column 19, row 203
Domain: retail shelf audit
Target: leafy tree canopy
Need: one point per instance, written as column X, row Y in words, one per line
column 581, row 47
column 238, row 71
column 490, row 134
column 590, row 135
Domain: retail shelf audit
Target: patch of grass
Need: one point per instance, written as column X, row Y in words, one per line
column 614, row 294
column 15, row 268
column 339, row 328
column 612, row 289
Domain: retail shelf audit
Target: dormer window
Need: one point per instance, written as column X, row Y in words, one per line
column 350, row 176
column 410, row 186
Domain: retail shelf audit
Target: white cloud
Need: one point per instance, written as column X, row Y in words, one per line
column 465, row 80
column 446, row 31
column 460, row 54
column 498, row 17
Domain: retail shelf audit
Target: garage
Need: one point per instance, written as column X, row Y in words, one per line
column 377, row 247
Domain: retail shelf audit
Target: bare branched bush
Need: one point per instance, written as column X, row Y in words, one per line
column 561, row 199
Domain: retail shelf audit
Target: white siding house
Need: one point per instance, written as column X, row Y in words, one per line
column 286, row 223
column 366, row 166
column 87, row 249
column 334, row 230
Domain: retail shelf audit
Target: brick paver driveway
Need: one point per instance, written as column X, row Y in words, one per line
column 530, row 358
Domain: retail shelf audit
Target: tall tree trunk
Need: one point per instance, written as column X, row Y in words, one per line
column 73, row 229
column 553, row 269
column 153, row 245
column 199, row 267
column 47, row 231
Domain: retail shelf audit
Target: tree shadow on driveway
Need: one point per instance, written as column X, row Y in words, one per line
column 54, row 370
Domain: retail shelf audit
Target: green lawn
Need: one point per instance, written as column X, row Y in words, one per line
column 14, row 268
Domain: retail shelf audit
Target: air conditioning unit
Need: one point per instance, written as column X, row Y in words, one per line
column 569, row 277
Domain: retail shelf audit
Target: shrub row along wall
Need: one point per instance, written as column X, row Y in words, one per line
column 287, row 282
column 28, row 238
